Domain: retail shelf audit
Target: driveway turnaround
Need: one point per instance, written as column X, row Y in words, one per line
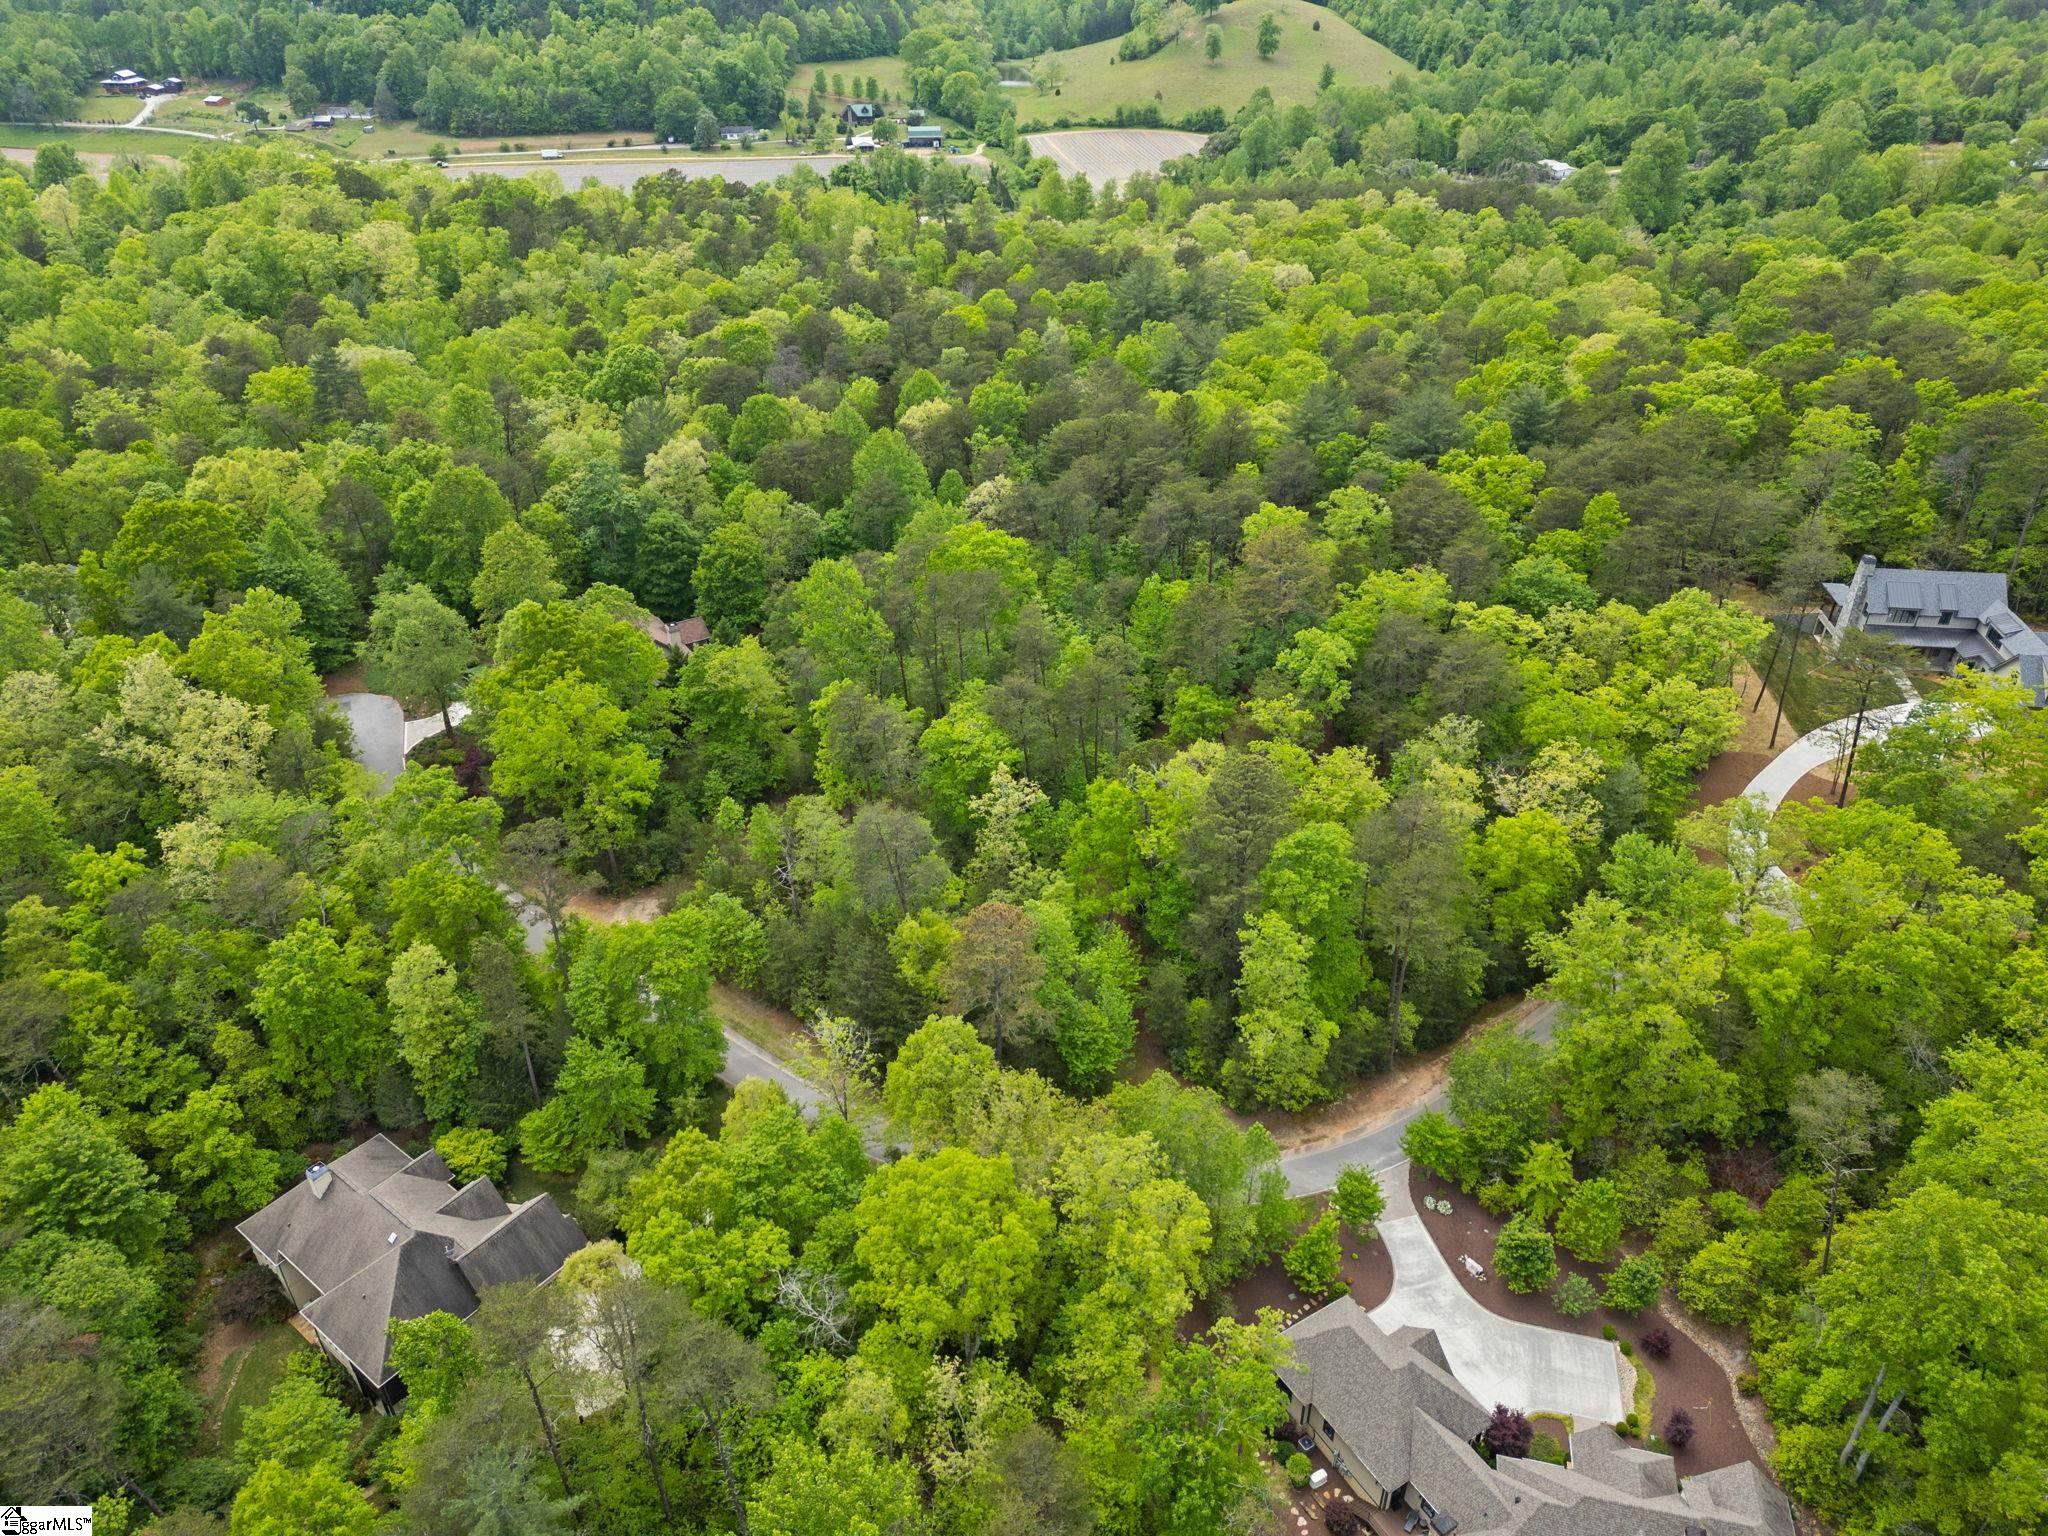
column 377, row 724
column 1496, row 1359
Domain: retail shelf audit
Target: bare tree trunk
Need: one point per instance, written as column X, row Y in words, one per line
column 547, row 1426
column 1855, row 740
column 2026, row 526
column 653, row 1456
column 1791, row 662
column 732, row 1485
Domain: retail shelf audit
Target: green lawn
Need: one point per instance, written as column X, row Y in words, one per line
column 97, row 141
column 246, row 1377
column 891, row 76
column 98, row 107
column 1092, row 82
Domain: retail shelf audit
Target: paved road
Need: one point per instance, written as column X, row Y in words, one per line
column 1497, row 1359
column 1314, row 1169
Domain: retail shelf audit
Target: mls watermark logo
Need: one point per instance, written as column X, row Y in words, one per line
column 35, row 1519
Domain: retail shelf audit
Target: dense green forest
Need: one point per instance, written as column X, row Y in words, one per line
column 1238, row 623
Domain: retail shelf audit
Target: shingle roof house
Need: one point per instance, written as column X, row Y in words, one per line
column 376, row 1236
column 1396, row 1424
column 1952, row 617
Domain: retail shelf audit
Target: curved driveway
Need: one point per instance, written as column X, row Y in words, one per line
column 1819, row 747
column 1496, row 1359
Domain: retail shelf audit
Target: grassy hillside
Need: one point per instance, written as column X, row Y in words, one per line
column 1093, row 82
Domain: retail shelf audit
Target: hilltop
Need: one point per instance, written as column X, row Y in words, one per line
column 1092, row 82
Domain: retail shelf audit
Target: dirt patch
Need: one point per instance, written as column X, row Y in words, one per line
column 1691, row 1378
column 774, row 1029
column 220, row 1342
column 1729, row 775
column 633, row 907
column 350, row 679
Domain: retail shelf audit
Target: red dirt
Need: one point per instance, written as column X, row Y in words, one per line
column 348, row 680
column 1689, row 1379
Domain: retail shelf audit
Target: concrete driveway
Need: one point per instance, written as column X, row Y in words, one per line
column 1821, row 746
column 377, row 723
column 1496, row 1359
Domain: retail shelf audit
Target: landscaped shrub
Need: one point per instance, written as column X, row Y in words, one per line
column 1575, row 1296
column 1298, row 1470
column 1589, row 1226
column 1436, row 1142
column 1359, row 1201
column 1508, row 1432
column 1497, row 1196
column 1523, row 1256
column 1543, row 1448
column 1344, row 1522
column 1316, row 1257
column 1657, row 1343
column 1679, row 1430
column 1629, row 1428
column 1633, row 1284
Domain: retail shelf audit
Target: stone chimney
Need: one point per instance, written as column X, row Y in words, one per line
column 1857, row 607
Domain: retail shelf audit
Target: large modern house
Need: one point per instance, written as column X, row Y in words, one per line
column 1953, row 618
column 377, row 1237
column 1395, row 1424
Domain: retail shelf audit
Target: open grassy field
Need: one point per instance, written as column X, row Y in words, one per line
column 97, row 141
column 1092, row 82
column 889, row 72
column 98, row 107
column 1114, row 154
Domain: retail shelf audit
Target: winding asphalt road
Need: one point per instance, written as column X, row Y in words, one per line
column 1313, row 1170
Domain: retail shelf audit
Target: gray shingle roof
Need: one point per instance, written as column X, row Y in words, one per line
column 383, row 1237
column 1394, row 1402
column 1372, row 1385
column 530, row 1244
column 412, row 1278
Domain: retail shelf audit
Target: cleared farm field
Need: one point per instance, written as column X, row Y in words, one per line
column 1092, row 82
column 1114, row 154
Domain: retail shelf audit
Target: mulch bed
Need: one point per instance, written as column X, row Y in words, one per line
column 1689, row 1379
column 1729, row 774
column 1367, row 1270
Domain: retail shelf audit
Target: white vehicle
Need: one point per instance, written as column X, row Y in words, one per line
column 551, row 154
